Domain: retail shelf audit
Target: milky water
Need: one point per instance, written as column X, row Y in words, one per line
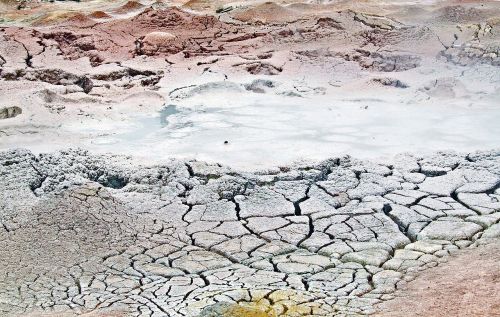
column 262, row 132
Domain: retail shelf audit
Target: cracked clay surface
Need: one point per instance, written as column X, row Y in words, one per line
column 102, row 235
column 175, row 158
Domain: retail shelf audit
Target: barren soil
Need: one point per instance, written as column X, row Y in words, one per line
column 467, row 285
column 219, row 158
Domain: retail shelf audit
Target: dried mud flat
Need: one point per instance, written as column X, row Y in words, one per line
column 91, row 234
column 245, row 89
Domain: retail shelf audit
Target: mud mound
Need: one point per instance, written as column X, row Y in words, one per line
column 152, row 32
column 159, row 42
column 80, row 19
column 173, row 19
column 268, row 12
column 99, row 15
column 129, row 7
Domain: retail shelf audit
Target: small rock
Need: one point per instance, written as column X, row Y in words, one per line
column 10, row 112
column 86, row 84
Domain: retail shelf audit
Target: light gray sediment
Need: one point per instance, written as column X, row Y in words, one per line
column 85, row 233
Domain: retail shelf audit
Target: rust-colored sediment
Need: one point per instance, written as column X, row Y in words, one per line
column 99, row 15
column 467, row 285
column 129, row 6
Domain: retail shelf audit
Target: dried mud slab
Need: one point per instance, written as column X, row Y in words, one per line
column 97, row 234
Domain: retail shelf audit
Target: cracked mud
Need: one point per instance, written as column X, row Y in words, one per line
column 83, row 233
column 220, row 159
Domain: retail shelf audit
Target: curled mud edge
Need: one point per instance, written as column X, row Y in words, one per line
column 90, row 234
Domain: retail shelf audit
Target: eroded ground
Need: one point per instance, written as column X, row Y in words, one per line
column 254, row 86
column 83, row 233
column 279, row 81
column 466, row 286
